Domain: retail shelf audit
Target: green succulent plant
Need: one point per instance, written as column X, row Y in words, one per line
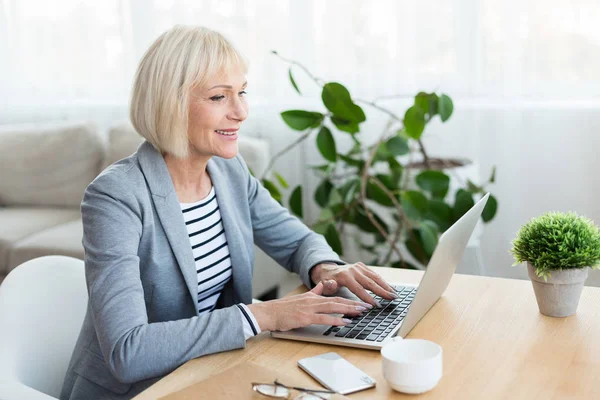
column 557, row 240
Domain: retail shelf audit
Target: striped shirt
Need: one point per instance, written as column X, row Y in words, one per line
column 211, row 253
column 209, row 246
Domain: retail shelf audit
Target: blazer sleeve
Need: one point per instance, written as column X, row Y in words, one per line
column 134, row 349
column 283, row 236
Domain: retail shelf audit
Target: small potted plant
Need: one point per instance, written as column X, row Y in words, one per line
column 558, row 248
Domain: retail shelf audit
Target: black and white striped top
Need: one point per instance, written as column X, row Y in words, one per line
column 210, row 249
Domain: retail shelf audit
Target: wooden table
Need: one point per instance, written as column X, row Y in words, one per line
column 496, row 346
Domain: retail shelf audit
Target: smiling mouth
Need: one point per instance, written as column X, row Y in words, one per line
column 225, row 133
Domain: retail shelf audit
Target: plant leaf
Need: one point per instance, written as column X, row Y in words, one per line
column 296, row 201
column 349, row 189
column 415, row 204
column 435, row 182
column 337, row 100
column 422, row 101
column 333, row 239
column 324, row 167
column 375, row 193
column 351, row 161
column 397, row 146
column 473, row 188
column 326, row 144
column 281, row 181
column 300, row 119
column 489, row 211
column 364, row 223
column 335, row 198
column 440, row 213
column 270, row 186
column 325, row 215
column 414, row 244
column 382, row 153
column 428, row 102
column 414, row 122
column 396, row 170
column 293, row 81
column 345, row 125
column 387, row 181
column 493, row 176
column 429, row 236
column 462, row 203
column 322, row 193
column 445, row 107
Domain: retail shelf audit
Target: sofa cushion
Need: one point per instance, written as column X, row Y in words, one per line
column 123, row 141
column 47, row 164
column 17, row 223
column 63, row 240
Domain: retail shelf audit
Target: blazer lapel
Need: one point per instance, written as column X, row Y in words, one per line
column 240, row 260
column 169, row 212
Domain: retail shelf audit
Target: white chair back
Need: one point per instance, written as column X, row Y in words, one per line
column 42, row 306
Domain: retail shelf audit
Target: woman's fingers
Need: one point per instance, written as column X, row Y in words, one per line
column 376, row 277
column 332, row 307
column 359, row 291
column 318, row 289
column 325, row 319
column 330, row 286
column 370, row 284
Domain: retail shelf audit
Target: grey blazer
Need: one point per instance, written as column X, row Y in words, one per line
column 142, row 322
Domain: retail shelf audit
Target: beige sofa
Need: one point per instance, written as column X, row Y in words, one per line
column 44, row 170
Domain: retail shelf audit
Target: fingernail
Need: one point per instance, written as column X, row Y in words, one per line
column 367, row 305
column 346, row 320
column 329, row 283
column 394, row 295
column 361, row 308
column 377, row 304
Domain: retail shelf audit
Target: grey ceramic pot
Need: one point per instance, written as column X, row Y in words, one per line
column 559, row 295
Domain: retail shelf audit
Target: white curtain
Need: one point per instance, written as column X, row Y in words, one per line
column 82, row 52
column 524, row 74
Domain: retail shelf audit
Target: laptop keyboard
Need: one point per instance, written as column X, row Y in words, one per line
column 377, row 323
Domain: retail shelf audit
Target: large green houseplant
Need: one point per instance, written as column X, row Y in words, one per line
column 378, row 187
column 558, row 248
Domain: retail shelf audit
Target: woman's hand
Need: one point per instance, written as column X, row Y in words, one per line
column 305, row 309
column 356, row 277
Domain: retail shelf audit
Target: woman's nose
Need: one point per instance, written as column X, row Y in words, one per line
column 239, row 111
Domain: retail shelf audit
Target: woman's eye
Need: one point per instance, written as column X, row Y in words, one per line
column 217, row 98
column 243, row 93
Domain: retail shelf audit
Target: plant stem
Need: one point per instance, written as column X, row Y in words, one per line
column 282, row 152
column 363, row 198
column 385, row 110
column 425, row 157
column 401, row 214
column 318, row 81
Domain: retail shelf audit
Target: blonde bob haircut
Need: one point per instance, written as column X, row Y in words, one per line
column 179, row 60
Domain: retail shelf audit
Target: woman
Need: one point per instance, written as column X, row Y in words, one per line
column 169, row 232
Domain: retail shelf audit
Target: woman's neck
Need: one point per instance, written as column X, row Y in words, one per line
column 190, row 178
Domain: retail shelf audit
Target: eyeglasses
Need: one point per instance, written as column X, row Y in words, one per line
column 280, row 391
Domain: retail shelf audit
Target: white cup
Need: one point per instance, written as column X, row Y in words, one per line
column 412, row 365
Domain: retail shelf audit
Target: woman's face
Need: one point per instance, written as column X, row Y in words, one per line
column 216, row 111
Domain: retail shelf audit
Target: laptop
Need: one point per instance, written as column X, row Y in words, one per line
column 373, row 328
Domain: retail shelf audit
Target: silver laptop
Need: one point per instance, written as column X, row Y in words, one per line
column 372, row 329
